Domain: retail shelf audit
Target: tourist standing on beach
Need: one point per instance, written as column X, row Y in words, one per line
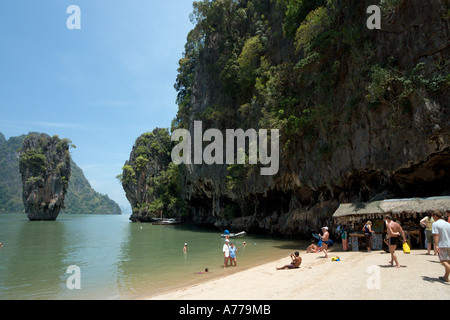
column 368, row 233
column 325, row 237
column 344, row 237
column 226, row 253
column 394, row 230
column 427, row 223
column 441, row 235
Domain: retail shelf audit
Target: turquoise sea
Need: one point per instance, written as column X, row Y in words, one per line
column 112, row 258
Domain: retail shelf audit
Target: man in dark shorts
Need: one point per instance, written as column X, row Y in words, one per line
column 296, row 261
column 394, row 230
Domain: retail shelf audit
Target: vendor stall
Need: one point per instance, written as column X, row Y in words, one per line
column 408, row 212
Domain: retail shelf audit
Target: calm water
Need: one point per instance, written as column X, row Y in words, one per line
column 117, row 259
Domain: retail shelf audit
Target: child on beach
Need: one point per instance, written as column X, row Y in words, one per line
column 233, row 250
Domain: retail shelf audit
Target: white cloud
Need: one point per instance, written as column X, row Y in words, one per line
column 56, row 124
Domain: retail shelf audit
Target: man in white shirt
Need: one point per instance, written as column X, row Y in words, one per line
column 441, row 237
column 226, row 253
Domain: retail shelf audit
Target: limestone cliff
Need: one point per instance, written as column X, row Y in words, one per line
column 45, row 169
column 363, row 114
column 150, row 180
column 81, row 198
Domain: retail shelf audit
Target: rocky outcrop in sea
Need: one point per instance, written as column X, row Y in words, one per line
column 45, row 169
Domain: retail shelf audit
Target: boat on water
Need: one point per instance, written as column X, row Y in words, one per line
column 164, row 221
column 234, row 235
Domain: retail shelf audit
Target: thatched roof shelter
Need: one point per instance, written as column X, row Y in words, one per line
column 399, row 208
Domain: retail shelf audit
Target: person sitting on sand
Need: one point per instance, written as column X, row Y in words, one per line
column 312, row 248
column 296, row 262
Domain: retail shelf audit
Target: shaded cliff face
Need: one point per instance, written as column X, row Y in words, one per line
column 363, row 114
column 45, row 168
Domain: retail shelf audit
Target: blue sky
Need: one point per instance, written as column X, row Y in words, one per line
column 101, row 86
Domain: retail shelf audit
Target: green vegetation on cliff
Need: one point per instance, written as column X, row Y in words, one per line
column 44, row 164
column 38, row 161
column 304, row 67
column 362, row 113
column 80, row 197
column 150, row 180
column 285, row 63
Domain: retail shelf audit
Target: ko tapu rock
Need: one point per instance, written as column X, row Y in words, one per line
column 45, row 169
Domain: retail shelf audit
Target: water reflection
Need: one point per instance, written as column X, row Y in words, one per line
column 117, row 258
column 32, row 260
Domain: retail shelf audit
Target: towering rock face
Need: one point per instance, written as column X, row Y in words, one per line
column 363, row 114
column 45, row 168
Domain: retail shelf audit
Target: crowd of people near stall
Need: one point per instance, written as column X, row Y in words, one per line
column 436, row 231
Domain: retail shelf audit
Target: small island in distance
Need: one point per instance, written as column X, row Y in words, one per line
column 80, row 198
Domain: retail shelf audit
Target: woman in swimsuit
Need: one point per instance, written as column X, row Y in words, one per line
column 368, row 233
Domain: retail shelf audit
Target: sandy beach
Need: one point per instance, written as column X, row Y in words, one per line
column 357, row 276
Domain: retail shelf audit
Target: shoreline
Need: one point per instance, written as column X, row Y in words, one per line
column 358, row 275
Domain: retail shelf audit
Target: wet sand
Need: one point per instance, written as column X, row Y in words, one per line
column 357, row 276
